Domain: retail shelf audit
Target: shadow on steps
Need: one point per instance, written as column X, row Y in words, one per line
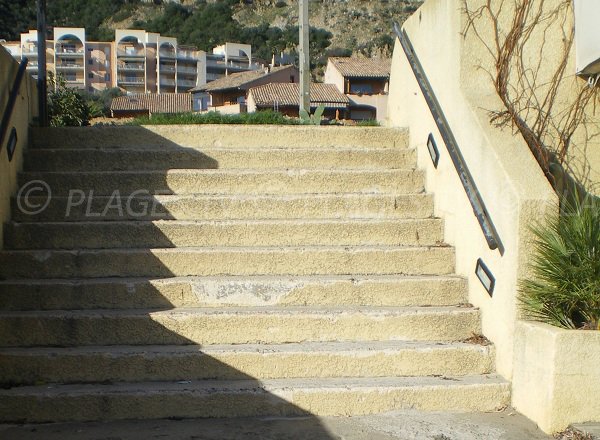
column 94, row 363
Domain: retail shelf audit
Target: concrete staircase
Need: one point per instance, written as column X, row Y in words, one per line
column 238, row 271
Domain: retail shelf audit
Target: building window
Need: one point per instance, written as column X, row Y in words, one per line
column 107, row 77
column 90, row 61
column 90, row 75
column 70, row 76
column 91, row 89
column 292, row 79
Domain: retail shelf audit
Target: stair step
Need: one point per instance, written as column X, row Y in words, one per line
column 231, row 136
column 119, row 293
column 244, row 325
column 209, row 261
column 31, row 366
column 213, row 158
column 246, row 398
column 231, row 207
column 191, row 181
column 170, row 233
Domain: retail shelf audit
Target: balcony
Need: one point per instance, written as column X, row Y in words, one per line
column 69, row 66
column 167, row 82
column 167, row 54
column 162, row 68
column 186, row 83
column 131, row 53
column 75, row 82
column 30, row 51
column 69, row 51
column 213, row 76
column 190, row 70
column 130, row 80
column 131, row 67
column 183, row 55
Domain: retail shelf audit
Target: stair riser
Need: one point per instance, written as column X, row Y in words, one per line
column 174, row 136
column 219, row 292
column 119, row 160
column 235, row 328
column 172, row 366
column 79, row 185
column 221, row 208
column 201, row 262
column 167, row 234
column 253, row 402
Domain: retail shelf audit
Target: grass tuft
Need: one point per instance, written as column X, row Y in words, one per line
column 564, row 289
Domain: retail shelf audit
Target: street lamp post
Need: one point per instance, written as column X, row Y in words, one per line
column 304, row 57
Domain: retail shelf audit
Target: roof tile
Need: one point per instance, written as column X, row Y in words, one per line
column 352, row 67
column 154, row 102
column 288, row 94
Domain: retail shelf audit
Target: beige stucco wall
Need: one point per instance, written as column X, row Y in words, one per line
column 557, row 375
column 333, row 76
column 510, row 181
column 24, row 110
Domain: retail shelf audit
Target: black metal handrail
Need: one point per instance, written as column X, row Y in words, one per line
column 12, row 98
column 483, row 217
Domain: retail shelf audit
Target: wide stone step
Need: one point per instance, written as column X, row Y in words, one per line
column 295, row 206
column 136, row 293
column 245, row 398
column 244, row 325
column 230, row 136
column 169, row 233
column 32, row 366
column 308, row 260
column 122, row 183
column 213, row 158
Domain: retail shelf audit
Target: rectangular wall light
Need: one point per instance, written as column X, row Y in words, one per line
column 12, row 144
column 485, row 276
column 433, row 150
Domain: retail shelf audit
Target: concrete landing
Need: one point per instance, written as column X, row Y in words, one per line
column 404, row 425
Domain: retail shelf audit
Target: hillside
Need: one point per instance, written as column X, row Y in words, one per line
column 339, row 27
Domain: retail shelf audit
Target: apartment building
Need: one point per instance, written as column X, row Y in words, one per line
column 136, row 61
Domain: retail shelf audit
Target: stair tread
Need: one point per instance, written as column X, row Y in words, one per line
column 244, row 310
column 292, row 347
column 258, row 386
column 246, row 196
column 235, row 248
column 351, row 221
column 236, row 171
column 324, row 278
column 167, row 150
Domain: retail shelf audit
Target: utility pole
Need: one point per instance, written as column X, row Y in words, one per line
column 304, row 57
column 41, row 79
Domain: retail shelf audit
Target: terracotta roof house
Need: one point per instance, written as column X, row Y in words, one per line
column 227, row 93
column 285, row 98
column 365, row 81
column 141, row 104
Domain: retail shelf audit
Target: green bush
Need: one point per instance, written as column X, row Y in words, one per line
column 99, row 102
column 66, row 107
column 564, row 289
column 262, row 117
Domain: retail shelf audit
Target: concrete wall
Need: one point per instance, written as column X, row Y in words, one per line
column 557, row 379
column 23, row 113
column 510, row 181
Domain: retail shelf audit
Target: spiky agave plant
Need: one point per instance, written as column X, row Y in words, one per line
column 564, row 289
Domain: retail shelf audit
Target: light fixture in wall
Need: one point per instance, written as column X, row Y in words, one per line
column 485, row 276
column 433, row 150
column 11, row 146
